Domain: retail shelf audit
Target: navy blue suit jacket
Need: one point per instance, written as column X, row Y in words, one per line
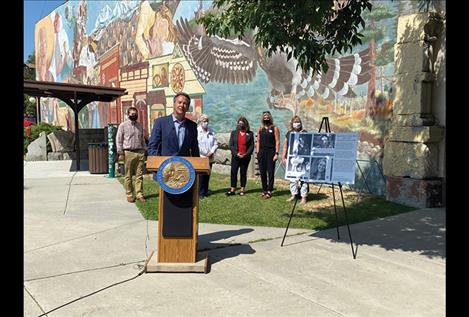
column 164, row 140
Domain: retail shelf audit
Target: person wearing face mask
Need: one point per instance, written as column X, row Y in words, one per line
column 295, row 186
column 267, row 147
column 207, row 147
column 241, row 147
column 131, row 147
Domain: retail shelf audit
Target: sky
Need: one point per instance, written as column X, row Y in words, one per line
column 34, row 10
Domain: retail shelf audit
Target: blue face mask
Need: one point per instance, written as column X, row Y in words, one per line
column 204, row 125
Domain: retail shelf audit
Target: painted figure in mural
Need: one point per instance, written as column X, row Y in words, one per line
column 208, row 145
column 80, row 30
column 267, row 147
column 131, row 147
column 318, row 168
column 87, row 58
column 164, row 76
column 44, row 48
column 61, row 62
column 160, row 78
column 156, row 33
column 241, row 147
column 175, row 135
column 302, row 187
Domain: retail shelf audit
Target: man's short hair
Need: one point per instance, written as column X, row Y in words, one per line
column 132, row 108
column 182, row 94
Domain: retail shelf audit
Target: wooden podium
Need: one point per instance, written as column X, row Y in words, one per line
column 177, row 231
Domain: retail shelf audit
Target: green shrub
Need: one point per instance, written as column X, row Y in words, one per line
column 36, row 130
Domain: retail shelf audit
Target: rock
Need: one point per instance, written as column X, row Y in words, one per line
column 37, row 150
column 223, row 140
column 61, row 141
column 223, row 157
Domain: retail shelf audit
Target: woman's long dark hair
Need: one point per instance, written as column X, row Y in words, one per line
column 245, row 122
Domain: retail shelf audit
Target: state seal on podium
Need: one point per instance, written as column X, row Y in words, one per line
column 176, row 175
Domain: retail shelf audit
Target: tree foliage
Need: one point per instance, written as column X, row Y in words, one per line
column 29, row 73
column 304, row 29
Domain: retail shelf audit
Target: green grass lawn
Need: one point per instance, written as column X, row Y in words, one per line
column 251, row 209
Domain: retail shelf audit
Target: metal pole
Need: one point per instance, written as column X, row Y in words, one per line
column 38, row 110
column 335, row 211
column 354, row 252
column 77, row 130
column 293, row 209
column 112, row 154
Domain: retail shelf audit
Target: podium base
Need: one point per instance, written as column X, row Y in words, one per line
column 200, row 266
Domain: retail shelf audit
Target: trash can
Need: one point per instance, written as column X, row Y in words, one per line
column 98, row 158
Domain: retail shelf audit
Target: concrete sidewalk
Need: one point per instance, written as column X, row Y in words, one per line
column 81, row 235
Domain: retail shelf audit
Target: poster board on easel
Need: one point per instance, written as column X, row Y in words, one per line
column 316, row 157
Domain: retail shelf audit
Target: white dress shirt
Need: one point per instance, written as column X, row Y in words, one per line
column 207, row 142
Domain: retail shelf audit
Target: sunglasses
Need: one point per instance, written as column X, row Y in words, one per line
column 266, row 112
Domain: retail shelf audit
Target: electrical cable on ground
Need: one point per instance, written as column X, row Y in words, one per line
column 102, row 289
column 68, row 193
column 81, row 271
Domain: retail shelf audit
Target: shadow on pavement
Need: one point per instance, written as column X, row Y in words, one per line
column 221, row 251
column 421, row 231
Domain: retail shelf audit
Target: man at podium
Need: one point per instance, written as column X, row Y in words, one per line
column 175, row 135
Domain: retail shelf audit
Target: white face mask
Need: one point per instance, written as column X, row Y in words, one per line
column 205, row 125
column 296, row 125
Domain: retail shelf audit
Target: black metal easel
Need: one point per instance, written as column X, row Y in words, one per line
column 325, row 121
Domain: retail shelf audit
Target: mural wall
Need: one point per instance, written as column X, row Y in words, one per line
column 155, row 49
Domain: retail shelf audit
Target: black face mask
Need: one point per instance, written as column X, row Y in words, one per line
column 133, row 117
column 241, row 126
column 266, row 122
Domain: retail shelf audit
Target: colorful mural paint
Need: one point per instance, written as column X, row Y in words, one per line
column 155, row 49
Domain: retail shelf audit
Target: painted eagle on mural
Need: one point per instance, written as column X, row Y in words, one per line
column 216, row 59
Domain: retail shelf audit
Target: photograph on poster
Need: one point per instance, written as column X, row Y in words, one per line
column 298, row 166
column 319, row 168
column 300, row 143
column 324, row 140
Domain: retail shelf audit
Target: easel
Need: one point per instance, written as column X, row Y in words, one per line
column 367, row 174
column 364, row 177
column 325, row 121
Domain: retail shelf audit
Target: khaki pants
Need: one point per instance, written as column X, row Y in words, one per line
column 134, row 161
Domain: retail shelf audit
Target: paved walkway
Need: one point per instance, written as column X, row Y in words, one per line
column 81, row 235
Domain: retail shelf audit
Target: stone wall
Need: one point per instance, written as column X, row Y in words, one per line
column 412, row 158
column 222, row 162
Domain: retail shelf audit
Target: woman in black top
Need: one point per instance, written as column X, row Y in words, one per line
column 267, row 147
column 241, row 146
